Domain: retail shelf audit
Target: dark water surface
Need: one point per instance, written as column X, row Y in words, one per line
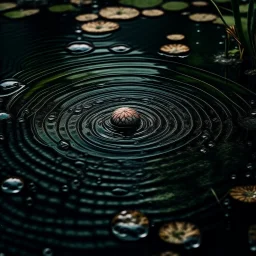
column 72, row 171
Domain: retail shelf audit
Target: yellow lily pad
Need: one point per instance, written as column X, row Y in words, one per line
column 7, row 6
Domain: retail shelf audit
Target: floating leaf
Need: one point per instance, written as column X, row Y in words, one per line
column 175, row 6
column 21, row 13
column 141, row 3
column 233, row 52
column 229, row 20
column 243, row 8
column 62, row 8
column 7, row 6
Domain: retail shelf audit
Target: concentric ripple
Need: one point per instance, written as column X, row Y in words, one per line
column 61, row 140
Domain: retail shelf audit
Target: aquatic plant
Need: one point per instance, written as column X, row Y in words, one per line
column 243, row 29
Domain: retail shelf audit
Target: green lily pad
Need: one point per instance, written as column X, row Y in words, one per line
column 229, row 20
column 233, row 52
column 175, row 6
column 141, row 3
column 21, row 13
column 62, row 8
column 243, row 8
column 7, row 6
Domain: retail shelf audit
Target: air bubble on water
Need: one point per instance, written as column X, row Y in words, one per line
column 247, row 175
column 99, row 180
column 120, row 48
column 252, row 102
column 12, row 185
column 80, row 47
column 192, row 242
column 233, row 176
column 65, row 188
column 75, row 184
column 32, row 187
column 130, row 225
column 9, row 86
column 47, row 252
column 211, row 144
column 51, row 118
column 29, row 201
column 226, row 201
column 78, row 31
column 203, row 150
column 64, row 145
column 79, row 163
column 249, row 166
column 1, row 137
column 4, row 116
column 120, row 191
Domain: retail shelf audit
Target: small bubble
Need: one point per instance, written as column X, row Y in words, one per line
column 1, row 137
column 130, row 225
column 63, row 145
column 51, row 118
column 12, row 185
column 9, row 86
column 120, row 48
column 211, row 144
column 80, row 47
column 75, row 184
column 32, row 187
column 29, row 201
column 203, row 150
column 247, row 175
column 4, row 116
column 65, row 188
column 99, row 180
column 192, row 242
column 47, row 252
column 249, row 166
column 233, row 176
column 226, row 201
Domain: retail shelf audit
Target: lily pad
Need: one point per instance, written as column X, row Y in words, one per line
column 243, row 8
column 21, row 13
column 7, row 6
column 62, row 8
column 141, row 3
column 175, row 6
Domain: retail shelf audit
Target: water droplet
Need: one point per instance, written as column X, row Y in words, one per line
column 99, row 180
column 9, row 86
column 120, row 191
column 211, row 144
column 226, row 201
column 51, row 118
column 249, row 166
column 252, row 102
column 130, row 225
column 247, row 175
column 120, row 48
column 80, row 47
column 29, row 201
column 47, row 252
column 1, row 137
column 78, row 31
column 253, row 113
column 233, row 176
column 63, row 145
column 203, row 150
column 75, row 184
column 65, row 188
column 12, row 185
column 78, row 111
column 32, row 187
column 79, row 164
column 192, row 242
column 4, row 116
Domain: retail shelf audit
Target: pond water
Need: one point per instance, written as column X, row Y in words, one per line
column 155, row 182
